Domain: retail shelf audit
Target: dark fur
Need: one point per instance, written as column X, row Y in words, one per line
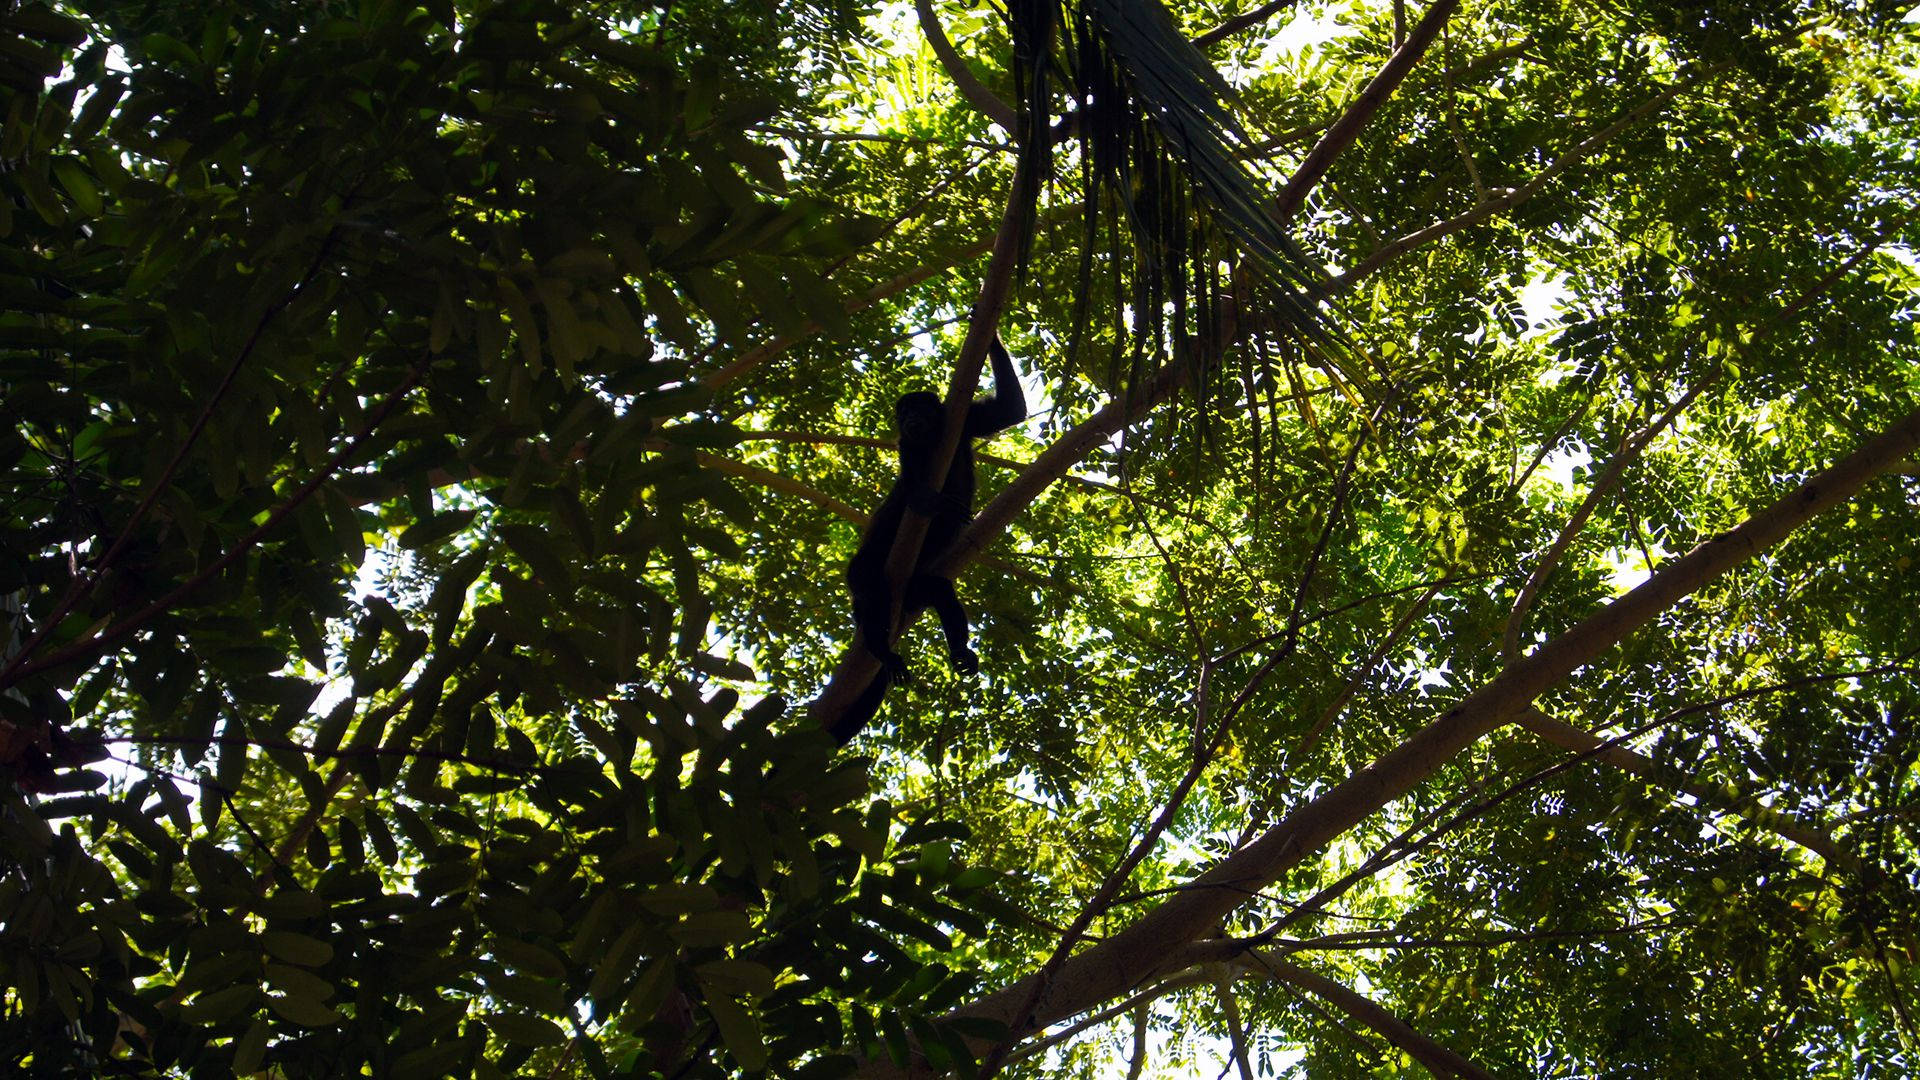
column 920, row 417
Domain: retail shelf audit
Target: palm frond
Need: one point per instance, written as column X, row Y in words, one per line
column 1174, row 87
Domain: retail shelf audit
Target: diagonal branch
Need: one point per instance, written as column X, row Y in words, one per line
column 1346, row 129
column 1052, row 464
column 781, row 482
column 1632, row 449
column 1630, row 452
column 1580, row 741
column 1438, row 1060
column 964, row 80
column 1236, row 1028
column 1111, row 967
column 1246, row 20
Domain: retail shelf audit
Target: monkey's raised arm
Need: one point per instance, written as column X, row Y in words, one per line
column 1007, row 406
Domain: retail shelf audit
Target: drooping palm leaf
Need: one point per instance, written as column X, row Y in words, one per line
column 1160, row 143
column 1172, row 85
column 1031, row 23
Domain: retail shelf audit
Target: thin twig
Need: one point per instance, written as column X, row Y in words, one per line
column 1360, row 671
column 82, row 587
column 93, row 645
column 1506, row 199
column 964, row 80
column 1630, row 451
column 875, row 136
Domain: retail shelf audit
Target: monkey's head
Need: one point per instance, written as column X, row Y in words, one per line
column 918, row 417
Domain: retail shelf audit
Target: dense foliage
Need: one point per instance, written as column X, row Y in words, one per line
column 434, row 433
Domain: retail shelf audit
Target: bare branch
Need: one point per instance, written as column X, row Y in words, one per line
column 1139, row 1063
column 1453, row 120
column 963, row 78
column 1438, row 1060
column 1193, row 976
column 1346, row 129
column 1568, row 737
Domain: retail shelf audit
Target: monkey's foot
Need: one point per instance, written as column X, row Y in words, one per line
column 965, row 661
column 896, row 668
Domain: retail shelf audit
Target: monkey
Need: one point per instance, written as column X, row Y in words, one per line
column 920, row 421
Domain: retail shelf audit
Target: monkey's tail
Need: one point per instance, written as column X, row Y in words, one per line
column 854, row 720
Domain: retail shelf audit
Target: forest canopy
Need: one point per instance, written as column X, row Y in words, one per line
column 1450, row 609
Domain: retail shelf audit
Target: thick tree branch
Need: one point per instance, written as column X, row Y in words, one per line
column 1193, row 976
column 1236, row 1027
column 1112, row 967
column 1138, row 1065
column 1631, row 450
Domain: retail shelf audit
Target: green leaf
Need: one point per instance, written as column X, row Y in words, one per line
column 305, row 1011
column 219, row 1006
column 297, row 982
column 296, row 948
column 524, row 1029
column 741, row 1031
column 251, row 1048
column 739, row 978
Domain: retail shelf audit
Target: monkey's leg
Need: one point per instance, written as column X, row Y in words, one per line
column 873, row 615
column 937, row 593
